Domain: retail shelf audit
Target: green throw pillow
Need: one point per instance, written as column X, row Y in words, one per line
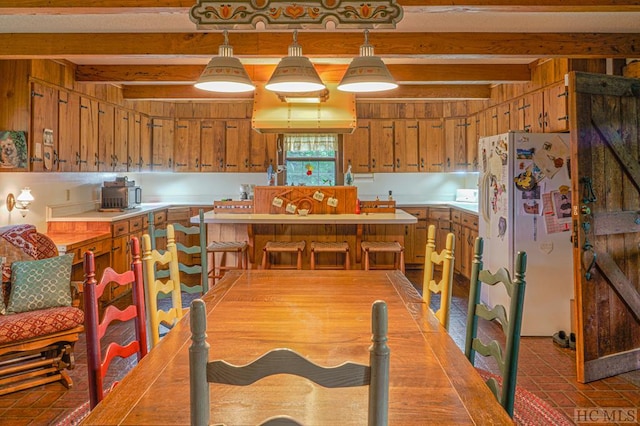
column 40, row 284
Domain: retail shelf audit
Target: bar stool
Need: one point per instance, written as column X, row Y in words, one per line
column 282, row 247
column 383, row 247
column 224, row 247
column 329, row 247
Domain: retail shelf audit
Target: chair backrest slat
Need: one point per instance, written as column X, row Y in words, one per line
column 287, row 361
column 445, row 285
column 95, row 330
column 510, row 320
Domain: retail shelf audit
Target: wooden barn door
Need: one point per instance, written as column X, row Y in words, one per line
column 605, row 150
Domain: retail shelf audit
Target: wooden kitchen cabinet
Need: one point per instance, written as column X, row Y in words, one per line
column 355, row 148
column 263, row 151
column 472, row 137
column 237, row 148
column 415, row 238
column 441, row 218
column 106, row 139
column 134, row 163
column 88, row 135
column 529, row 113
column 381, row 146
column 556, row 113
column 455, row 131
column 68, row 158
column 432, row 145
column 146, row 158
column 186, row 149
column 162, row 139
column 465, row 228
column 212, row 145
column 406, row 147
column 44, row 116
column 503, row 112
column 120, row 156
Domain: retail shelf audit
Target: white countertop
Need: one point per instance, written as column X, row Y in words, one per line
column 97, row 216
column 400, row 217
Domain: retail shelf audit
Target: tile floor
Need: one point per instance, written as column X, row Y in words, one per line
column 544, row 369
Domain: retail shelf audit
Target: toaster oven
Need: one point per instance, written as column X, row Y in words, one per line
column 121, row 197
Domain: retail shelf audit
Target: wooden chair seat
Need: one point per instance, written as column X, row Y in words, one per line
column 240, row 248
column 282, row 247
column 383, row 247
column 329, row 247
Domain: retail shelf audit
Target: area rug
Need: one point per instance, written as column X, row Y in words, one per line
column 529, row 409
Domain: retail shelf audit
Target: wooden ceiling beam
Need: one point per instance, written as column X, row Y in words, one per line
column 428, row 91
column 128, row 6
column 331, row 44
column 479, row 73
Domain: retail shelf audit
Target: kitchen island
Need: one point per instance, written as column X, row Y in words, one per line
column 258, row 228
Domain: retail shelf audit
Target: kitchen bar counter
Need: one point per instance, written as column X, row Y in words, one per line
column 400, row 217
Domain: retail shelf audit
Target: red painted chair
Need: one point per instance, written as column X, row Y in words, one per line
column 95, row 329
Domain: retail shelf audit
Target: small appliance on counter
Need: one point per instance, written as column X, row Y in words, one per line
column 121, row 194
column 466, row 195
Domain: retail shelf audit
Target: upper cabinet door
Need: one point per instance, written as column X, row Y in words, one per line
column 133, row 148
column 68, row 132
column 106, row 117
column 455, row 130
column 186, row 151
column 163, row 132
column 382, row 144
column 145, row 160
column 556, row 116
column 88, row 135
column 44, row 128
column 432, row 149
column 212, row 145
column 406, row 146
column 355, row 148
column 119, row 159
column 238, row 150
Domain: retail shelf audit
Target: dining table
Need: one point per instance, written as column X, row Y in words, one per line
column 325, row 315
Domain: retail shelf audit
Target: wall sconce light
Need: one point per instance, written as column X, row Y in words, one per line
column 21, row 203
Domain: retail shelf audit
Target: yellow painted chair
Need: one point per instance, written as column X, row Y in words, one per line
column 445, row 285
column 154, row 287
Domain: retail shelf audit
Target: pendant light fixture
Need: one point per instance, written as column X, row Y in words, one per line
column 367, row 73
column 225, row 73
column 295, row 73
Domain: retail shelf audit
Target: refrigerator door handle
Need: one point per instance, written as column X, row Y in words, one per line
column 485, row 181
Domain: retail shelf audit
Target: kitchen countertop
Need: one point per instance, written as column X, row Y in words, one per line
column 97, row 216
column 400, row 217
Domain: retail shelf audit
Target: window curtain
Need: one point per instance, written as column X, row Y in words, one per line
column 311, row 142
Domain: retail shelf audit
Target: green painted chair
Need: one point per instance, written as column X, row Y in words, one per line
column 200, row 230
column 286, row 361
column 504, row 387
column 445, row 285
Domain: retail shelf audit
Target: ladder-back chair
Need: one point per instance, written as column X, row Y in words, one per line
column 507, row 357
column 156, row 287
column 95, row 330
column 287, row 361
column 445, row 285
column 185, row 252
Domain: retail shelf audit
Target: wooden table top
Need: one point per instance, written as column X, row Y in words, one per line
column 326, row 316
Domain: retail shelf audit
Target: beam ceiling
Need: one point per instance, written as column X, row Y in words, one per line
column 151, row 63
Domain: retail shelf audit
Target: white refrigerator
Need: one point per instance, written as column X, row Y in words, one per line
column 525, row 205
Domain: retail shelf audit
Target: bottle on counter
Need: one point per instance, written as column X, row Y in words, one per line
column 357, row 206
column 390, row 195
column 348, row 177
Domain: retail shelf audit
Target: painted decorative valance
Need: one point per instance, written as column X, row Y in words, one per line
column 212, row 14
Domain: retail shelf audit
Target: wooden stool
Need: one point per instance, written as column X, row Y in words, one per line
column 224, row 247
column 383, row 247
column 282, row 247
column 329, row 247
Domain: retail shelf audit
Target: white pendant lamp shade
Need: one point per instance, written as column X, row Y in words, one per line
column 295, row 73
column 367, row 73
column 225, row 73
